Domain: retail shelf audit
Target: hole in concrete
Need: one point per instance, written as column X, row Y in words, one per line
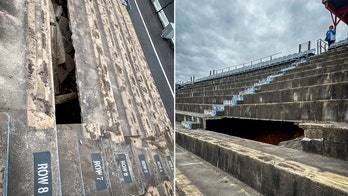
column 271, row 132
column 66, row 92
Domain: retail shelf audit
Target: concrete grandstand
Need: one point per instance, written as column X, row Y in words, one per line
column 80, row 112
column 280, row 126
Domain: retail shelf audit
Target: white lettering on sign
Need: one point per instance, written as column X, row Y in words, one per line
column 43, row 177
column 143, row 164
column 124, row 168
column 160, row 166
column 171, row 165
column 98, row 167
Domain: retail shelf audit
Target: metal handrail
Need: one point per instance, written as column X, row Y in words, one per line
column 248, row 63
column 322, row 46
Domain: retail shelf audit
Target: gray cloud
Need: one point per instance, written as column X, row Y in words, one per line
column 212, row 34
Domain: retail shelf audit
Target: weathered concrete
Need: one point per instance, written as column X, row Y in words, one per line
column 27, row 96
column 326, row 139
column 204, row 178
column 163, row 48
column 116, row 89
column 269, row 169
column 121, row 108
column 110, row 174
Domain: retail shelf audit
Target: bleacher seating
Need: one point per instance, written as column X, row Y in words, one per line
column 309, row 89
column 311, row 93
column 243, row 69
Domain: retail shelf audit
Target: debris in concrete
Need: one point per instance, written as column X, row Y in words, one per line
column 63, row 63
column 65, row 98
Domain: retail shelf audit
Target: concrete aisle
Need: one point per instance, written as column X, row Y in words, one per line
column 194, row 176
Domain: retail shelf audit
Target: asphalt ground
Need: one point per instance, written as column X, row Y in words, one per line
column 162, row 64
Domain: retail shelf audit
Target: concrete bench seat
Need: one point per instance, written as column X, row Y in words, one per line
column 315, row 77
column 332, row 54
column 327, row 91
column 269, row 169
column 100, row 166
column 259, row 74
column 193, row 107
column 323, row 110
column 215, row 99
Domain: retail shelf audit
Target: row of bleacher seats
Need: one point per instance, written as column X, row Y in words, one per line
column 215, row 91
column 239, row 70
column 339, row 43
column 234, row 83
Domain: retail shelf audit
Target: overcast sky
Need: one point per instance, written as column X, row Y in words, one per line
column 212, row 34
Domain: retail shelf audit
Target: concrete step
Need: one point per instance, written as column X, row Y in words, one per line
column 327, row 139
column 236, row 78
column 336, row 53
column 28, row 98
column 188, row 116
column 193, row 107
column 308, row 93
column 196, row 118
column 116, row 89
column 100, row 166
column 324, row 78
column 191, row 124
column 332, row 70
column 195, row 176
column 321, row 110
column 336, row 56
column 326, row 110
column 230, row 82
column 33, row 165
column 70, row 160
column 269, row 169
column 215, row 99
column 93, row 165
column 311, row 65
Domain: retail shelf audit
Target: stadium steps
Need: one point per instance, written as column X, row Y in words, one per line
column 117, row 95
column 317, row 76
column 331, row 54
column 27, row 97
column 192, row 120
column 269, row 169
column 314, row 77
column 112, row 74
column 100, row 166
column 308, row 82
column 231, row 81
column 327, row 91
column 320, row 110
column 212, row 99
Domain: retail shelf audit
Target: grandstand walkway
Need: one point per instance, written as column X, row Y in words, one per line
column 195, row 176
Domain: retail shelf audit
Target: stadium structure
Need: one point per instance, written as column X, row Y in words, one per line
column 80, row 112
column 278, row 126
